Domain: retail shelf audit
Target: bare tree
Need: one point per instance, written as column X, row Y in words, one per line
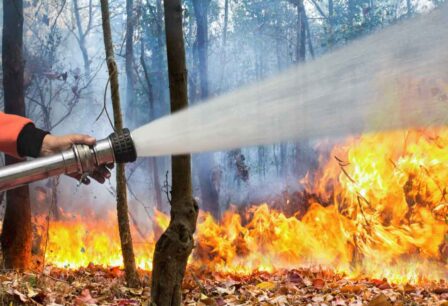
column 129, row 58
column 205, row 161
column 127, row 249
column 175, row 245
column 83, row 33
column 16, row 238
column 153, row 165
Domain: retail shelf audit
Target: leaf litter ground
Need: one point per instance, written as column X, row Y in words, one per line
column 105, row 286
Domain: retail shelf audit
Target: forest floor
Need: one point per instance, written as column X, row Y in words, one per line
column 98, row 286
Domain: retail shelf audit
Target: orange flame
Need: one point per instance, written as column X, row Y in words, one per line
column 385, row 215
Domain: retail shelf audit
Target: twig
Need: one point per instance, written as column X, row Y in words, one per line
column 105, row 107
column 362, row 213
column 166, row 188
column 56, row 279
column 442, row 191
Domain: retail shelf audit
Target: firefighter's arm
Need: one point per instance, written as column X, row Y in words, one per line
column 19, row 137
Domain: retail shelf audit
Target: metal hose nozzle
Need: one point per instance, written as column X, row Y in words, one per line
column 80, row 159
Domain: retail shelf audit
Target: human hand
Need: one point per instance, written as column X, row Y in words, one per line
column 55, row 144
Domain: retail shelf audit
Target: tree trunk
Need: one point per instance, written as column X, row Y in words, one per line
column 82, row 36
column 224, row 45
column 132, row 278
column 409, row 8
column 130, row 105
column 16, row 238
column 175, row 245
column 301, row 34
column 153, row 165
column 308, row 35
column 201, row 13
column 351, row 13
column 206, row 162
column 159, row 57
column 331, row 40
column 209, row 189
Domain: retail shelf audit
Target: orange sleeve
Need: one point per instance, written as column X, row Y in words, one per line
column 10, row 128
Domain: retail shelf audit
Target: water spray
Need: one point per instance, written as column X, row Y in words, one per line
column 393, row 79
column 80, row 159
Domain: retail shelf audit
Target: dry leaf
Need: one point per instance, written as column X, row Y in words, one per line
column 135, row 291
column 408, row 288
column 440, row 290
column 267, row 285
column 318, row 283
column 380, row 300
column 85, row 299
column 352, row 289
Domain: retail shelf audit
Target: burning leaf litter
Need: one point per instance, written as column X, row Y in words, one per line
column 374, row 214
column 375, row 208
column 105, row 286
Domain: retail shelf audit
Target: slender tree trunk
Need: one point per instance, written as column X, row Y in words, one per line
column 308, row 35
column 283, row 156
column 159, row 61
column 175, row 245
column 351, row 13
column 153, row 165
column 130, row 97
column 82, row 36
column 201, row 13
column 132, row 278
column 226, row 22
column 159, row 52
column 224, row 44
column 301, row 34
column 16, row 238
column 301, row 146
column 331, row 40
column 409, row 8
column 206, row 162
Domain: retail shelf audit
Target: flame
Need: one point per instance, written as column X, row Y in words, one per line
column 379, row 210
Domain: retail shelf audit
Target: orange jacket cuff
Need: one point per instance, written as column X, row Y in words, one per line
column 10, row 128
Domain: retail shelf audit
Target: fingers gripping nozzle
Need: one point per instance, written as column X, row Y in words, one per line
column 80, row 159
column 118, row 148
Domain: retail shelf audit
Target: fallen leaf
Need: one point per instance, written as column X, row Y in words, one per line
column 209, row 302
column 440, row 290
column 266, row 285
column 318, row 283
column 379, row 300
column 135, row 291
column 31, row 292
column 295, row 277
column 85, row 299
column 408, row 288
column 384, row 286
column 352, row 289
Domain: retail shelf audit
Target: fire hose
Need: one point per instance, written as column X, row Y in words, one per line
column 81, row 159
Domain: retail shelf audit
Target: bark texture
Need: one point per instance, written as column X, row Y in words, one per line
column 132, row 278
column 176, row 243
column 16, row 239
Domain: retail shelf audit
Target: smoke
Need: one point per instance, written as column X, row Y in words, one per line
column 254, row 51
